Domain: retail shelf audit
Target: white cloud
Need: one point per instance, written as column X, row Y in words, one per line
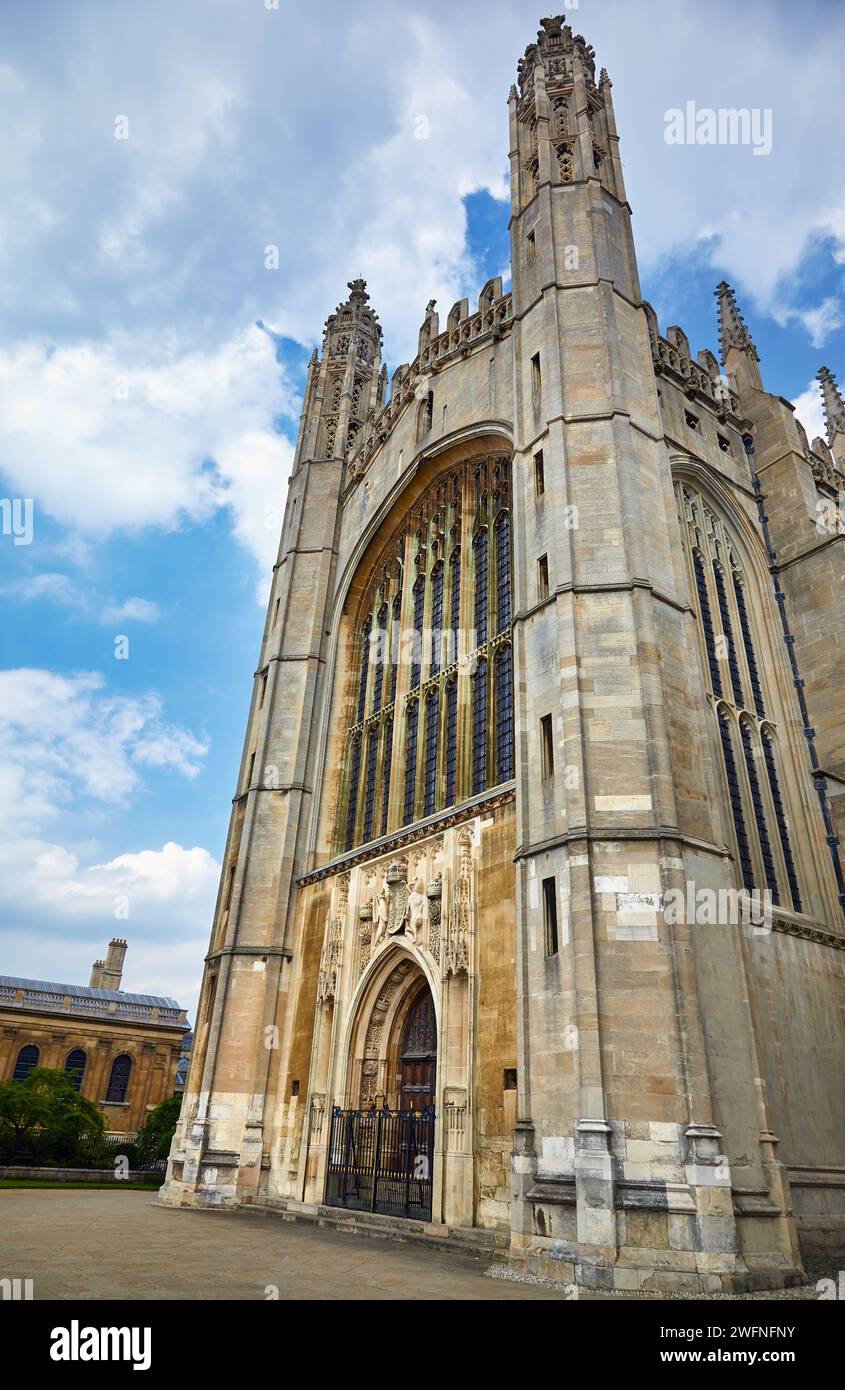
column 141, row 434
column 808, row 408
column 63, row 738
column 67, row 745
column 61, row 589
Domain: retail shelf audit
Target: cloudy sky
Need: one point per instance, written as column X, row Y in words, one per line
column 151, row 364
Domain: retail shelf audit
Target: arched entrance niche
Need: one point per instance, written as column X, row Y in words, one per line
column 392, row 1055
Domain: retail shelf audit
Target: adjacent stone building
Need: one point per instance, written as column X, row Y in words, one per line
column 531, row 915
column 123, row 1050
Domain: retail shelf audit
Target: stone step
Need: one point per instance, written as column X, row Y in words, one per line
column 482, row 1244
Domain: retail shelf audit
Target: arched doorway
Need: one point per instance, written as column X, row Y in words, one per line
column 418, row 1054
column 381, row 1152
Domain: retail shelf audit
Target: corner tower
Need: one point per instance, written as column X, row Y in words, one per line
column 622, row 1144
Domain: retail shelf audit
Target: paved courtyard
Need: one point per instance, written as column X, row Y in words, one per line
column 122, row 1245
column 101, row 1245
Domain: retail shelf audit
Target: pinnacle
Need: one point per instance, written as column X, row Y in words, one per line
column 833, row 403
column 733, row 331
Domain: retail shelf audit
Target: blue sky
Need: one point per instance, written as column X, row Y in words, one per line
column 151, row 364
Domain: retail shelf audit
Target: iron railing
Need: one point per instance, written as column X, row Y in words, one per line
column 381, row 1160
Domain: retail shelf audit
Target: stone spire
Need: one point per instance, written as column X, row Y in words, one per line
column 834, row 408
column 733, row 332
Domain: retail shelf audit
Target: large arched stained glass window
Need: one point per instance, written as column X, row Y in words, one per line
column 719, row 584
column 449, row 732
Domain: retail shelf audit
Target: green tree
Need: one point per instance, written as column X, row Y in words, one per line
column 45, row 1116
column 156, row 1133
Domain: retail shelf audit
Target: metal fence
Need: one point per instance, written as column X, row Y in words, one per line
column 381, row 1161
column 104, row 1151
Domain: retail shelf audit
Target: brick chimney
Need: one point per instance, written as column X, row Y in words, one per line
column 110, row 971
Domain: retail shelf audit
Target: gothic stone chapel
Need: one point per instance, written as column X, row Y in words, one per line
column 556, row 636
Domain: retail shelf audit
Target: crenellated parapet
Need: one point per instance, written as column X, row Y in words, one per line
column 464, row 334
column 699, row 378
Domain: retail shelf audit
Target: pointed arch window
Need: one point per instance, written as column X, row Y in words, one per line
column 451, row 742
column 365, row 668
column 504, row 714
column 385, row 788
column 436, row 616
column 759, row 811
column 479, row 728
column 735, row 794
column 481, row 581
column 411, row 732
column 419, row 611
column 750, row 657
column 121, row 1070
column 370, row 792
column 780, row 817
column 394, row 645
column 352, row 794
column 432, row 713
column 462, row 717
column 503, row 572
column 707, row 621
column 727, row 629
column 27, row 1060
column 381, row 658
column 75, row 1066
column 454, row 601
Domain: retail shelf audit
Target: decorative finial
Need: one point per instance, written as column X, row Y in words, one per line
column 358, row 288
column 733, row 332
column 833, row 404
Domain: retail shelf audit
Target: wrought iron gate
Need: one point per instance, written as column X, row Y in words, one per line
column 381, row 1160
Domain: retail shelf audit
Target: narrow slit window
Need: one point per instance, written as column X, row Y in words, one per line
column 536, row 377
column 532, row 248
column 539, row 474
column 550, row 916
column 543, row 578
column 547, row 746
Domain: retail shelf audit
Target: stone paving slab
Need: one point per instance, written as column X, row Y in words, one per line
column 123, row 1245
column 105, row 1245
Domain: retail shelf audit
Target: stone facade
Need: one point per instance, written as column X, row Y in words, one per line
column 563, row 824
column 127, row 1046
